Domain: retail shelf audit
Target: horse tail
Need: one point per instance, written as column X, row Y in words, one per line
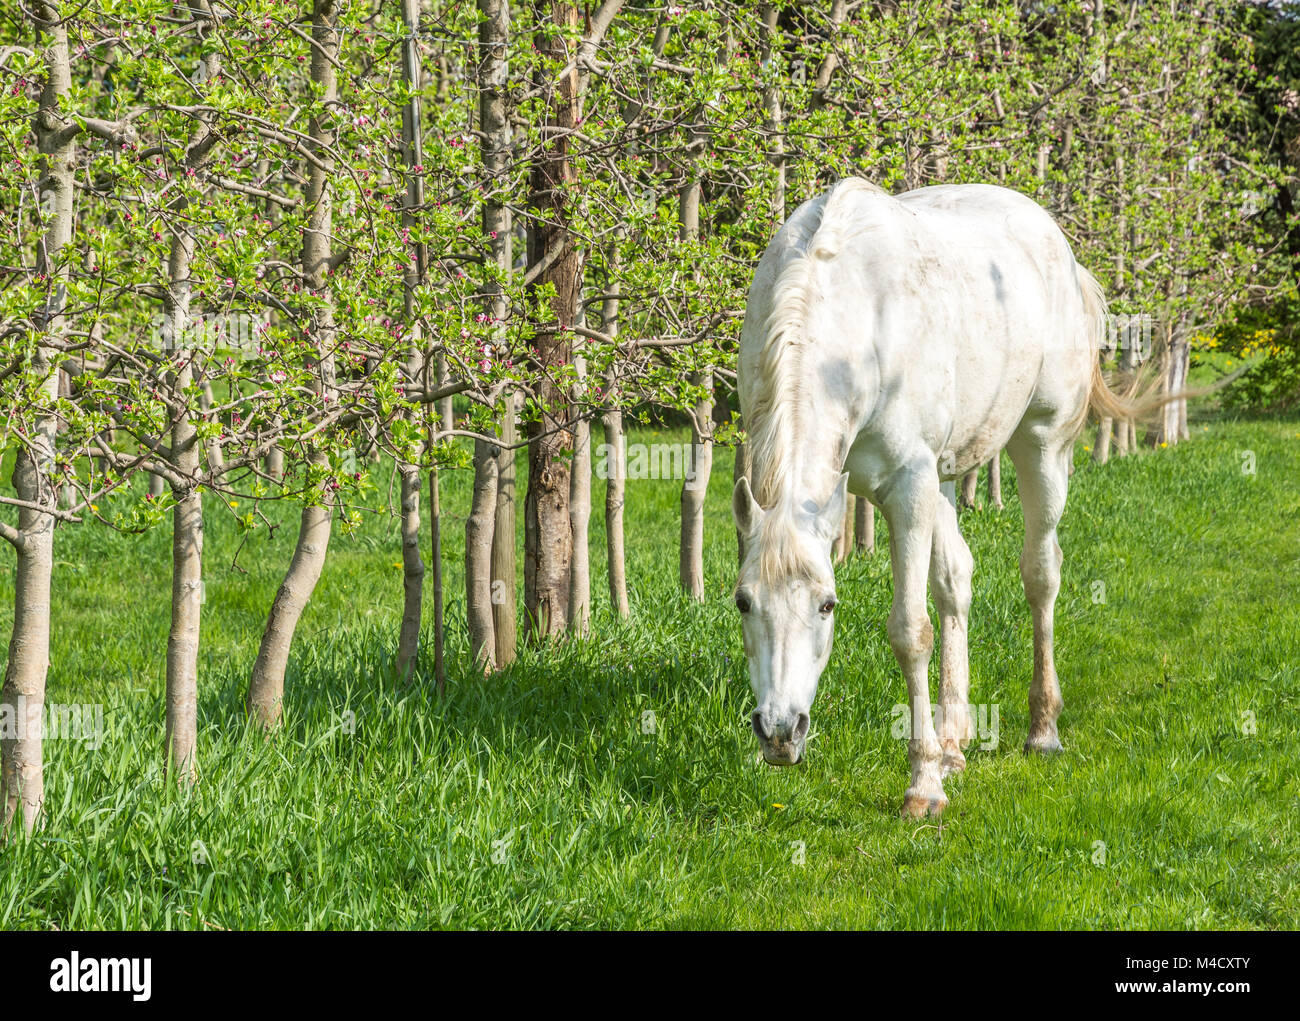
column 1141, row 399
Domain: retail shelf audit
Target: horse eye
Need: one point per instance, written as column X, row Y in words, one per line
column 828, row 606
column 742, row 604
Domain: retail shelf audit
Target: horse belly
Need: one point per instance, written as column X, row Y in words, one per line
column 987, row 409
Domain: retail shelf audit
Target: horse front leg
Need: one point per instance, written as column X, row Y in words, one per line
column 910, row 510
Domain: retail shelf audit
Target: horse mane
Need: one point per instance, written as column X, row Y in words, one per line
column 777, row 389
column 776, row 397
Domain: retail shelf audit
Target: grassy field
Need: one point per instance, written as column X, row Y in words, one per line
column 536, row 798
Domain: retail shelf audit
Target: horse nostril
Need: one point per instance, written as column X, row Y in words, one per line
column 801, row 727
column 757, row 721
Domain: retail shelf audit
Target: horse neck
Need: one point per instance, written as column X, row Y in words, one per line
column 803, row 455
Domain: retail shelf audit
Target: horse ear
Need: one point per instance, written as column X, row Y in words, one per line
column 744, row 508
column 831, row 516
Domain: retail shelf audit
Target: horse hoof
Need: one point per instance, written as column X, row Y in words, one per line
column 918, row 806
column 1049, row 744
column 953, row 762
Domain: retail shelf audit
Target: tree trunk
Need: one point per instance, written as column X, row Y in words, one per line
column 274, row 466
column 995, row 481
column 216, row 459
column 273, row 463
column 183, row 639
column 494, row 37
column 769, row 14
column 266, row 685
column 480, row 530
column 23, row 778
column 699, row 465
column 1107, row 425
column 616, row 449
column 1126, row 429
column 187, row 533
column 446, row 408
column 615, row 497
column 1101, row 448
column 1165, row 429
column 1174, row 414
column 479, row 527
column 367, row 430
column 864, row 525
column 844, row 541
column 580, row 518
column 435, row 559
column 548, row 539
column 182, row 697
column 504, row 578
column 839, row 11
column 1178, row 410
column 408, row 640
column 494, row 122
column 22, row 771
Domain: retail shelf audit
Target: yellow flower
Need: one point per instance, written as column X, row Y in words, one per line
column 234, row 503
column 94, row 507
column 777, row 804
column 1164, row 444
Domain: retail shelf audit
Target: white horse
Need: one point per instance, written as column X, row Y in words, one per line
column 891, row 344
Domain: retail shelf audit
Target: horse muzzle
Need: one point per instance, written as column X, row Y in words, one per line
column 781, row 736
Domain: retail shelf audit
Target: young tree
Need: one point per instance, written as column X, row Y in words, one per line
column 22, row 779
column 266, row 683
column 408, row 643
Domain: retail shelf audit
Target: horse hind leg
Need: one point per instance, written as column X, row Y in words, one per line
column 1042, row 476
column 951, row 567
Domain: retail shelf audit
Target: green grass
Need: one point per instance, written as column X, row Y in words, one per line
column 534, row 798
